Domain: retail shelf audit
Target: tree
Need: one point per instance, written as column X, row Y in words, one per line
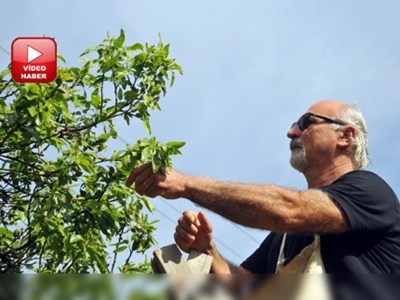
column 64, row 207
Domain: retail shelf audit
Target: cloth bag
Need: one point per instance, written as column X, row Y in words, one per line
column 309, row 281
column 303, row 278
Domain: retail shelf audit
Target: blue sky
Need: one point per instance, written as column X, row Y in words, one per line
column 250, row 70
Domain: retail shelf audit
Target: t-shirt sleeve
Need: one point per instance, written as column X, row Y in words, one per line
column 263, row 260
column 367, row 201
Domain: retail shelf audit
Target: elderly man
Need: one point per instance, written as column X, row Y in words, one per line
column 355, row 213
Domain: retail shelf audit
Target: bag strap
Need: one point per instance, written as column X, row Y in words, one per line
column 281, row 256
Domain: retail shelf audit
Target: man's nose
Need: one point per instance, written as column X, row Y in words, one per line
column 294, row 132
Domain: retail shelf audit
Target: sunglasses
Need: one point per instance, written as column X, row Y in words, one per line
column 304, row 122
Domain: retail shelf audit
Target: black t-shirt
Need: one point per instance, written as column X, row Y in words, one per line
column 372, row 246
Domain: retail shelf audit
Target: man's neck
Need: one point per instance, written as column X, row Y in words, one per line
column 323, row 176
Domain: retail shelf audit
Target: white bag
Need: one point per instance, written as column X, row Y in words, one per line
column 312, row 284
column 303, row 278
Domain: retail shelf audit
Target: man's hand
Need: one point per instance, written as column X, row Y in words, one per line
column 170, row 185
column 194, row 232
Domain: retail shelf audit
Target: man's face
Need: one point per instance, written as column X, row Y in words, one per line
column 313, row 141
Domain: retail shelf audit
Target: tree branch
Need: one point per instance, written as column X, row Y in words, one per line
column 120, row 237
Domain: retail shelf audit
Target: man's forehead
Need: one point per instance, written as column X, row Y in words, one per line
column 326, row 107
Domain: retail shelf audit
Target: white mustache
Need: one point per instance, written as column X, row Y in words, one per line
column 296, row 143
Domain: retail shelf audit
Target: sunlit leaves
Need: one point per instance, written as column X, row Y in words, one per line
column 63, row 204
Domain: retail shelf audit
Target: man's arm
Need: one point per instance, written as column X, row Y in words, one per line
column 259, row 206
column 267, row 206
column 222, row 266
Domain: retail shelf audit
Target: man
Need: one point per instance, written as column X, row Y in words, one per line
column 356, row 214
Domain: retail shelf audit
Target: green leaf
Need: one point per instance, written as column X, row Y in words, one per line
column 178, row 68
column 5, row 73
column 148, row 204
column 120, row 40
column 139, row 59
column 85, row 164
column 76, row 238
column 155, row 163
column 96, row 100
column 130, row 95
column 61, row 58
column 31, row 267
column 5, row 232
column 32, row 110
column 148, row 100
column 116, row 155
column 34, row 133
column 33, row 89
column 105, row 136
column 160, row 43
column 135, row 47
column 120, row 94
column 147, row 126
column 87, row 51
column 120, row 249
column 111, row 62
column 99, row 259
column 172, row 79
column 38, row 119
column 175, row 144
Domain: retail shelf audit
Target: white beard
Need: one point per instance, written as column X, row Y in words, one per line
column 298, row 158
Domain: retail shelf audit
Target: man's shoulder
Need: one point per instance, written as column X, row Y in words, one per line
column 360, row 174
column 360, row 178
column 359, row 183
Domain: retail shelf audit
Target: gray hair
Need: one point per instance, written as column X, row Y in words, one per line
column 351, row 115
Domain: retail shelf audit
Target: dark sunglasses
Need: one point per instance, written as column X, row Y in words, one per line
column 304, row 122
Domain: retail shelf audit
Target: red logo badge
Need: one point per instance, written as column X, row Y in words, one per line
column 34, row 60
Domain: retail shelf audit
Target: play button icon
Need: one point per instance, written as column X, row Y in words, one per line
column 34, row 60
column 33, row 54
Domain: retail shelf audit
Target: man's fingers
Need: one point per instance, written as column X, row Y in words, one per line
column 135, row 172
column 183, row 244
column 204, row 223
column 186, row 236
column 190, row 216
column 144, row 181
column 147, row 188
column 151, row 191
column 187, row 225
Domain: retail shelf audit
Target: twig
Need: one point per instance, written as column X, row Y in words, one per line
column 121, row 232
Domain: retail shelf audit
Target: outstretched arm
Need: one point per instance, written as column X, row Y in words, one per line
column 267, row 207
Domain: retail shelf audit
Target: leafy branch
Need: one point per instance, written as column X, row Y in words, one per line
column 63, row 203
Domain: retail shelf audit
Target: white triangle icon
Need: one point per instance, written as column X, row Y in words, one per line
column 33, row 54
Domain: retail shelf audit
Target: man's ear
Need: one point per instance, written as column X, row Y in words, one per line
column 346, row 136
